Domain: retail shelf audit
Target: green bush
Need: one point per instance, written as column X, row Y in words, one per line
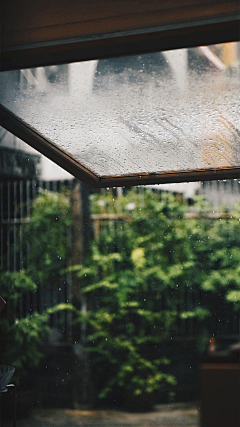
column 136, row 281
column 47, row 236
column 47, row 241
column 20, row 337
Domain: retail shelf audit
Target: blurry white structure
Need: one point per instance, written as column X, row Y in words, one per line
column 81, row 76
column 178, row 61
column 187, row 189
column 50, row 171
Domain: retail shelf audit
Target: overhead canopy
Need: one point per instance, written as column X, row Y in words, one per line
column 154, row 118
column 44, row 32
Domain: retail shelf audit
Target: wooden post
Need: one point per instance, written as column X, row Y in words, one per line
column 81, row 237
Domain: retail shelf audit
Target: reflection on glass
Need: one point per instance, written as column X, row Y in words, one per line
column 168, row 111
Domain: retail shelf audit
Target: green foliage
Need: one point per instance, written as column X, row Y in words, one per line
column 234, row 297
column 21, row 342
column 46, row 238
column 135, row 281
column 13, row 284
column 49, row 249
column 138, row 277
column 199, row 312
column 20, row 337
column 217, row 255
column 126, row 279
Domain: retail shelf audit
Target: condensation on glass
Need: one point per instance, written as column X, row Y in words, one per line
column 168, row 111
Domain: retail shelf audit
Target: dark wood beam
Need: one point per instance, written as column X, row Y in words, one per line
column 39, row 33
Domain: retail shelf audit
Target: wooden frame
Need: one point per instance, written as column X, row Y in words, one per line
column 23, row 131
column 110, row 45
column 44, row 32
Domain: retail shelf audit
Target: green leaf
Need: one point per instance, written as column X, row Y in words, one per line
column 233, row 296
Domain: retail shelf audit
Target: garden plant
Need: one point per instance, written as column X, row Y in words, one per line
column 151, row 268
column 136, row 282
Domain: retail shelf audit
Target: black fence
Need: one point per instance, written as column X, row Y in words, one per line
column 16, row 199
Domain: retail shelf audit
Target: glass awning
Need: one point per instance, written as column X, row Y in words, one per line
column 163, row 117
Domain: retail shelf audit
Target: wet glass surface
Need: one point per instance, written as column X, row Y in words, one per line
column 169, row 111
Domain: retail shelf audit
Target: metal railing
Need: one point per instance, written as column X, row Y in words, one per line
column 16, row 199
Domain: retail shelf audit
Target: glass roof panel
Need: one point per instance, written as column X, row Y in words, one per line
column 168, row 111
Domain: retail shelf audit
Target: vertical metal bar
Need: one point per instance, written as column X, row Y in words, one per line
column 54, row 186
column 8, row 226
column 44, row 291
column 1, row 213
column 34, row 189
column 14, row 225
column 17, row 232
column 35, row 186
column 8, row 237
column 21, row 224
column 20, row 215
column 69, row 287
column 57, row 291
column 26, row 297
column 27, row 198
column 27, row 210
column 27, row 215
